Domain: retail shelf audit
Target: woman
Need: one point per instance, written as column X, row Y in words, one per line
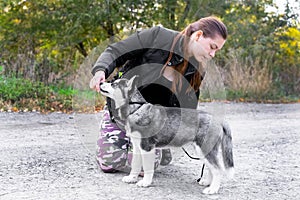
column 170, row 68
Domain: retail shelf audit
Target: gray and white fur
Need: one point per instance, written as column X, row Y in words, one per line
column 151, row 126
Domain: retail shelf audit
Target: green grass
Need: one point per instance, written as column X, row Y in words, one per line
column 270, row 97
column 20, row 94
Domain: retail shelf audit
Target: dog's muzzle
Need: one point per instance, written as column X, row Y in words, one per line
column 101, row 89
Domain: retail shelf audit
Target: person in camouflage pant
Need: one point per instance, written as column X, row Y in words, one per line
column 170, row 66
column 114, row 150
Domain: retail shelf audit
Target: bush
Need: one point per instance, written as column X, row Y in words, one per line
column 18, row 94
column 248, row 78
column 15, row 89
column 22, row 94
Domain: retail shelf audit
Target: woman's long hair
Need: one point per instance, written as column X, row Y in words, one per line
column 211, row 27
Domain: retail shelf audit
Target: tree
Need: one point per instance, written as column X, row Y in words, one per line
column 46, row 40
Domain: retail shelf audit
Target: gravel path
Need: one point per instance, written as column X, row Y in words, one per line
column 52, row 157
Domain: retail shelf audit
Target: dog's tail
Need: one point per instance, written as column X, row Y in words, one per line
column 227, row 149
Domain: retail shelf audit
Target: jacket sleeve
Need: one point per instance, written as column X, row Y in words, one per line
column 118, row 53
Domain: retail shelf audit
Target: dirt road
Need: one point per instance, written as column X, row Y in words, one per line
column 52, row 157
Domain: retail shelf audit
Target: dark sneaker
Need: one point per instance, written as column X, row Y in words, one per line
column 166, row 157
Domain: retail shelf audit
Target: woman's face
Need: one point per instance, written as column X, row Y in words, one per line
column 204, row 48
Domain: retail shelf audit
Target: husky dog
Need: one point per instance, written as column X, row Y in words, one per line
column 151, row 126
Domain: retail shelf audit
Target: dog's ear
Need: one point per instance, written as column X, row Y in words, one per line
column 132, row 83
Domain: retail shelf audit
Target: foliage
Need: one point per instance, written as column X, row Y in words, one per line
column 287, row 64
column 263, row 38
column 45, row 41
column 21, row 94
column 248, row 78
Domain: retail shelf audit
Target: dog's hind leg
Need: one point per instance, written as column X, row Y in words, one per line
column 148, row 159
column 215, row 180
column 136, row 163
column 213, row 164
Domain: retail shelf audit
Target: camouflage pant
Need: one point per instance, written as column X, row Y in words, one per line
column 114, row 150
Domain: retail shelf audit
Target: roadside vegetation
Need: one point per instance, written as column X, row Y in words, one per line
column 44, row 44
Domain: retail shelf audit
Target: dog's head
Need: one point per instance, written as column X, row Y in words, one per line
column 120, row 90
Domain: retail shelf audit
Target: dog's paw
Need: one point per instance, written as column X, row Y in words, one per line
column 203, row 182
column 130, row 179
column 210, row 190
column 143, row 183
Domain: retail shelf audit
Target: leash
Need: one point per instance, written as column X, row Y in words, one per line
column 202, row 170
column 137, row 102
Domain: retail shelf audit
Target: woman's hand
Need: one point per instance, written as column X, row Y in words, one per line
column 98, row 78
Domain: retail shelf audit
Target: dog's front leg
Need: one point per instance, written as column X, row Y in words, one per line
column 148, row 159
column 136, row 163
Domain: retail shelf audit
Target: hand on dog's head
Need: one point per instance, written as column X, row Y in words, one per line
column 128, row 85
